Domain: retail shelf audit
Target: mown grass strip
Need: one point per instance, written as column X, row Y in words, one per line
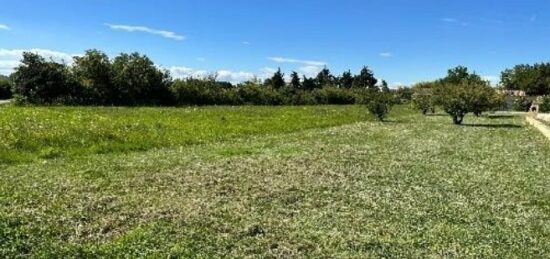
column 29, row 133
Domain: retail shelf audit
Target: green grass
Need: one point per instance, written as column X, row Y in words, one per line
column 411, row 187
column 30, row 133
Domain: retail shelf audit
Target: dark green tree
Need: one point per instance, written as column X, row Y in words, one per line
column 366, row 80
column 43, row 82
column 324, row 78
column 346, row 80
column 308, row 83
column 295, row 80
column 278, row 79
column 94, row 73
column 139, row 81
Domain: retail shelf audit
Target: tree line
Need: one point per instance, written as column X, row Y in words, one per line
column 533, row 79
column 134, row 79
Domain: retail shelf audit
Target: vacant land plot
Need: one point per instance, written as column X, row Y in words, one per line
column 411, row 187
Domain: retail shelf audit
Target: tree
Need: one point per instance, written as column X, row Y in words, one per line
column 380, row 105
column 346, row 80
column 295, row 80
column 533, row 79
column 94, row 73
column 462, row 92
column 308, row 83
column 423, row 97
column 278, row 80
column 39, row 81
column 139, row 81
column 324, row 78
column 5, row 88
column 385, row 87
column 365, row 79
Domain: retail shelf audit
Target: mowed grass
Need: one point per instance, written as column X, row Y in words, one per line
column 50, row 132
column 411, row 187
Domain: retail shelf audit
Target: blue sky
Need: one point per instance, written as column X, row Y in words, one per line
column 403, row 41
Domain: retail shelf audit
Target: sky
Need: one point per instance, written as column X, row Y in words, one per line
column 402, row 41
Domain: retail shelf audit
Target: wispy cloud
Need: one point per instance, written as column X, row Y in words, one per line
column 246, row 43
column 450, row 20
column 386, row 54
column 4, row 27
column 297, row 61
column 10, row 58
column 453, row 20
column 131, row 28
column 201, row 59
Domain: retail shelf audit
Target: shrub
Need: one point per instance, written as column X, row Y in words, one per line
column 380, row 104
column 522, row 104
column 544, row 104
column 45, row 82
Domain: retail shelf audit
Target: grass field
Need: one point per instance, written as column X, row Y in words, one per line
column 322, row 182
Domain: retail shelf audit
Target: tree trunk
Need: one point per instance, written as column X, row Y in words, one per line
column 457, row 119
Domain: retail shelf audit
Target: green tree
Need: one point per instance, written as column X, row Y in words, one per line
column 39, row 81
column 324, row 78
column 278, row 80
column 139, row 81
column 385, row 87
column 94, row 73
column 380, row 104
column 5, row 88
column 308, row 83
column 295, row 80
column 346, row 80
column 365, row 79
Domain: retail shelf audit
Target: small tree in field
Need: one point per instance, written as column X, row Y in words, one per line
column 380, row 104
column 423, row 97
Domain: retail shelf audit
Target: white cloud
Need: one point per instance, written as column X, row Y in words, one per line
column 310, row 71
column 245, row 43
column 4, row 27
column 182, row 72
column 386, row 54
column 451, row 20
column 131, row 28
column 200, row 59
column 10, row 58
column 297, row 61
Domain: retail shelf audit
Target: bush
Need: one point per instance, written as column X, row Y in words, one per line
column 380, row 105
column 544, row 105
column 44, row 82
column 522, row 104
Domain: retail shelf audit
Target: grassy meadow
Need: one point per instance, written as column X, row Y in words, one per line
column 270, row 182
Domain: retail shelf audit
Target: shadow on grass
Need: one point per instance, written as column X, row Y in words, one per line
column 493, row 126
column 436, row 115
column 504, row 116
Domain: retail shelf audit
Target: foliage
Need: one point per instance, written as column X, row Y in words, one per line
column 522, row 104
column 5, row 89
column 44, row 82
column 423, row 97
column 533, row 79
column 380, row 105
column 544, row 104
column 138, row 81
column 365, row 79
column 95, row 74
